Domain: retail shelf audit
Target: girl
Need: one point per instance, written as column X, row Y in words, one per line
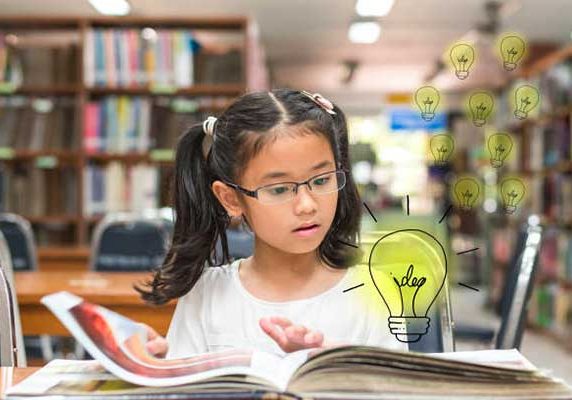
column 278, row 161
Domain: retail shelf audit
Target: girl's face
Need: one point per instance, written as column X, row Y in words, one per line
column 287, row 159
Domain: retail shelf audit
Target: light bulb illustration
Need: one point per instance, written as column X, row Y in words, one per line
column 467, row 192
column 408, row 268
column 512, row 191
column 526, row 99
column 499, row 145
column 512, row 50
column 462, row 56
column 427, row 99
column 442, row 147
column 481, row 105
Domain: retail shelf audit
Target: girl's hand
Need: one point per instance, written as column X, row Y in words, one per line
column 290, row 337
column 156, row 344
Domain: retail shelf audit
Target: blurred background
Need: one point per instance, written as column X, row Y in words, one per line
column 93, row 95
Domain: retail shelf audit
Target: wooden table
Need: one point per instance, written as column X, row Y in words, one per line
column 11, row 376
column 113, row 290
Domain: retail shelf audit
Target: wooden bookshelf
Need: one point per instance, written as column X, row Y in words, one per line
column 79, row 158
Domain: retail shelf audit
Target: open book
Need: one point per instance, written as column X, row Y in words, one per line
column 123, row 367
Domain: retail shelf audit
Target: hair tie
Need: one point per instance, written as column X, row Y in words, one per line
column 320, row 100
column 208, row 129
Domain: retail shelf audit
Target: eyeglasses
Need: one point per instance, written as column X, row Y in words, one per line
column 276, row 193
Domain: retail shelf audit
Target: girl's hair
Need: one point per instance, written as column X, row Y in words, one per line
column 252, row 121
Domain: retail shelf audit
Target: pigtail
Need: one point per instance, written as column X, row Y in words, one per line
column 200, row 220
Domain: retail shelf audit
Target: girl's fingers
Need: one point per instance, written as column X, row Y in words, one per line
column 314, row 338
column 158, row 346
column 283, row 322
column 274, row 332
column 296, row 333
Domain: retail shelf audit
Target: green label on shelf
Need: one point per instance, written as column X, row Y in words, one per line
column 163, row 89
column 6, row 153
column 162, row 155
column 46, row 162
column 180, row 105
column 7, row 87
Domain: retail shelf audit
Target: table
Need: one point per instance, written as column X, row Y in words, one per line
column 11, row 376
column 113, row 290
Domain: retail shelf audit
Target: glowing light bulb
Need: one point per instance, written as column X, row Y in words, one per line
column 442, row 147
column 427, row 99
column 512, row 191
column 499, row 145
column 462, row 56
column 481, row 105
column 408, row 268
column 512, row 49
column 467, row 192
column 526, row 99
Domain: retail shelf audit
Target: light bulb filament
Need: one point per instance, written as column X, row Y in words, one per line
column 409, row 281
column 481, row 108
column 511, row 54
column 428, row 102
column 511, row 197
column 525, row 102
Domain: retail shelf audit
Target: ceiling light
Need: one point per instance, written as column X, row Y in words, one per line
column 111, row 7
column 374, row 8
column 364, row 32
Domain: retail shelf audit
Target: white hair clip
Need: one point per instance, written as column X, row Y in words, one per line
column 208, row 129
column 321, row 101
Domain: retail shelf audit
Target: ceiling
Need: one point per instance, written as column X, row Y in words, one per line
column 306, row 40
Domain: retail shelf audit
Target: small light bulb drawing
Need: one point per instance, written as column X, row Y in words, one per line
column 408, row 268
column 467, row 192
column 481, row 105
column 499, row 145
column 427, row 99
column 512, row 49
column 462, row 56
column 526, row 99
column 442, row 147
column 512, row 191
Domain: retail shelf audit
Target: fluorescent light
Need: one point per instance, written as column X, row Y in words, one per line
column 374, row 8
column 111, row 7
column 364, row 32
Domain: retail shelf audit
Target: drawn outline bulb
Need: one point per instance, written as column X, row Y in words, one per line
column 427, row 99
column 512, row 191
column 408, row 268
column 526, row 99
column 467, row 192
column 462, row 56
column 481, row 105
column 442, row 147
column 512, row 49
column 499, row 145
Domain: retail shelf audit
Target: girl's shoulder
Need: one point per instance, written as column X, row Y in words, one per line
column 213, row 279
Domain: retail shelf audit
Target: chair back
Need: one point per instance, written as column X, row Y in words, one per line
column 19, row 236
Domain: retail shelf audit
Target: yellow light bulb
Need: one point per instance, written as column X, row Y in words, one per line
column 499, row 145
column 427, row 99
column 481, row 105
column 408, row 268
column 512, row 191
column 526, row 99
column 442, row 147
column 467, row 192
column 512, row 49
column 462, row 57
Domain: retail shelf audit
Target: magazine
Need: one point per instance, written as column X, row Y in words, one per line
column 123, row 367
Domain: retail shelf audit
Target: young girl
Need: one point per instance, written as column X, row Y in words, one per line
column 278, row 161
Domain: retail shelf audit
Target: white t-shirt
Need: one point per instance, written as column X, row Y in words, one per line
column 219, row 313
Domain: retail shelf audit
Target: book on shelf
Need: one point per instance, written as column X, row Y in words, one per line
column 123, row 367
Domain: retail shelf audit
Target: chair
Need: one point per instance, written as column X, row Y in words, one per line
column 11, row 339
column 240, row 243
column 518, row 285
column 129, row 242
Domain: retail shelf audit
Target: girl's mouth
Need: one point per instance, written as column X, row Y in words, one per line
column 307, row 231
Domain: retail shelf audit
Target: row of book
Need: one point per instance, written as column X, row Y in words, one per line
column 122, row 124
column 37, row 123
column 116, row 187
column 549, row 195
column 551, row 308
column 38, row 192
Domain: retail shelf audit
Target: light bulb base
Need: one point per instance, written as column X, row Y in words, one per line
column 408, row 329
column 509, row 66
column 520, row 114
column 510, row 209
column 479, row 122
column 466, row 208
column 496, row 163
column 441, row 163
column 427, row 116
column 462, row 74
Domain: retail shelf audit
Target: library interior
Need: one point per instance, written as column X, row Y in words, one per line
column 450, row 123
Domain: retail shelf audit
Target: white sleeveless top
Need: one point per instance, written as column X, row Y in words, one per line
column 219, row 313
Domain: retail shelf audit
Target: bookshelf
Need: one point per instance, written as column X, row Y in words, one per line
column 91, row 100
column 545, row 161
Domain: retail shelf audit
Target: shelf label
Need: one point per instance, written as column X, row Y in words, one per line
column 181, row 105
column 6, row 153
column 8, row 87
column 46, row 162
column 162, row 89
column 162, row 155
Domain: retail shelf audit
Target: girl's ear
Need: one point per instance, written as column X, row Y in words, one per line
column 228, row 197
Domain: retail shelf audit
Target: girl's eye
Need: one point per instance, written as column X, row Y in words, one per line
column 278, row 190
column 321, row 181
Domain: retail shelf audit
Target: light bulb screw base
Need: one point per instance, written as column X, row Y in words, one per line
column 441, row 163
column 510, row 209
column 509, row 66
column 462, row 74
column 427, row 116
column 520, row 114
column 479, row 122
column 408, row 329
column 496, row 163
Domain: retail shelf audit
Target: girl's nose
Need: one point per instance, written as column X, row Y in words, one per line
column 304, row 200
